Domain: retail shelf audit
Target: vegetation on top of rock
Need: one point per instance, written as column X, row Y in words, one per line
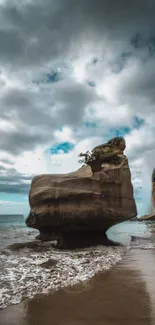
column 153, row 175
column 106, row 153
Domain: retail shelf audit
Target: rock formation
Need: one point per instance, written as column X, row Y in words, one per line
column 153, row 190
column 147, row 217
column 77, row 209
column 150, row 217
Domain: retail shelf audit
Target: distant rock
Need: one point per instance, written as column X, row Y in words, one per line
column 147, row 217
column 151, row 216
column 77, row 209
column 134, row 219
column 49, row 264
column 153, row 189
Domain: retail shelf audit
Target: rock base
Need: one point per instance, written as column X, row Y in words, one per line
column 78, row 240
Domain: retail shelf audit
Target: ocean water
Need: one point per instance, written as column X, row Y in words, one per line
column 13, row 229
column 29, row 267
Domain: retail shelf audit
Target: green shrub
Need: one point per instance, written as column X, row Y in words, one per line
column 98, row 157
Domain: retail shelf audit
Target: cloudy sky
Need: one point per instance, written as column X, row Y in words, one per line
column 73, row 74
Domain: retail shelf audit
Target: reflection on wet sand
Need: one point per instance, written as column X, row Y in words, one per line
column 121, row 296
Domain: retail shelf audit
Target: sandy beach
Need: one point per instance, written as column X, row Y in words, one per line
column 123, row 295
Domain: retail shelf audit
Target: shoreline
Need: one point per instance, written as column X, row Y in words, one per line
column 123, row 295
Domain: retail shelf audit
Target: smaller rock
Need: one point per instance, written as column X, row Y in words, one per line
column 147, row 217
column 49, row 264
column 134, row 219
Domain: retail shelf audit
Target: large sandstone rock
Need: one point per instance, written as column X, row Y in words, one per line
column 84, row 204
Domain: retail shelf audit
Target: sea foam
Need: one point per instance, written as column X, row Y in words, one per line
column 26, row 272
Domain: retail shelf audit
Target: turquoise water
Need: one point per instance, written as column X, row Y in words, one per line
column 9, row 219
column 125, row 230
column 13, row 229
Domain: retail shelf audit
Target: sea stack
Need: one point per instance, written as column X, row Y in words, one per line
column 150, row 217
column 153, row 190
column 77, row 209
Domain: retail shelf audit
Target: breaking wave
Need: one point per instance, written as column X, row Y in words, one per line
column 28, row 269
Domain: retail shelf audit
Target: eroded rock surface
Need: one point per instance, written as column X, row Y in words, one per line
column 82, row 205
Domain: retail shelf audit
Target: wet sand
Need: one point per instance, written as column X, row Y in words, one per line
column 124, row 295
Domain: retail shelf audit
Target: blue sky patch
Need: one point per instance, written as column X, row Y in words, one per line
column 122, row 131
column 51, row 77
column 65, row 147
column 90, row 124
column 54, row 76
column 138, row 122
column 91, row 83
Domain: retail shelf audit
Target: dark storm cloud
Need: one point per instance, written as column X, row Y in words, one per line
column 11, row 181
column 12, row 174
column 18, row 141
column 136, row 87
column 143, row 82
column 38, row 31
column 36, row 115
column 14, row 188
column 6, row 161
column 71, row 100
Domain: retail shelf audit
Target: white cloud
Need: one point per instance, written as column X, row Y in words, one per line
column 68, row 162
column 84, row 41
column 64, row 135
